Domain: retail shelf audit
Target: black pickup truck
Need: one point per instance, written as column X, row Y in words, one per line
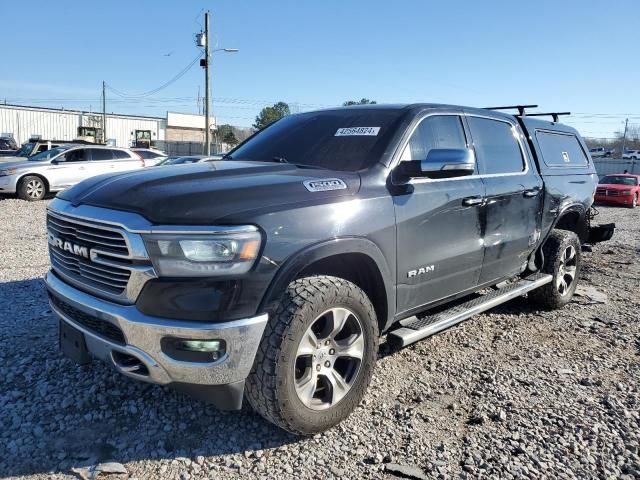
column 272, row 273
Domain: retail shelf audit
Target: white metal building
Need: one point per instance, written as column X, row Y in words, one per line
column 24, row 122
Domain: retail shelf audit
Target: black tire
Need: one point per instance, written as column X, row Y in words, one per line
column 271, row 385
column 32, row 188
column 552, row 295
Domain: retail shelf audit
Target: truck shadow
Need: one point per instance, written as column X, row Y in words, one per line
column 57, row 415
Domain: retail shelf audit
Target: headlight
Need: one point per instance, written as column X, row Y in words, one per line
column 203, row 255
column 8, row 171
column 626, row 192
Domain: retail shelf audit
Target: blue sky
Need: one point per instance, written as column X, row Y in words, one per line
column 580, row 56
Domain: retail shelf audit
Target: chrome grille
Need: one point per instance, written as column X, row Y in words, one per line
column 109, row 265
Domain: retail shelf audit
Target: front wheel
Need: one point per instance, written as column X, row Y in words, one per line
column 316, row 358
column 32, row 188
column 634, row 202
column 562, row 259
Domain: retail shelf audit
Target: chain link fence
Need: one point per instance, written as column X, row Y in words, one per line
column 606, row 166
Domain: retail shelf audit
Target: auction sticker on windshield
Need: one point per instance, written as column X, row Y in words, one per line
column 357, row 132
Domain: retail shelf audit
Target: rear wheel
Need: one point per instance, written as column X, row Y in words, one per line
column 32, row 188
column 316, row 358
column 562, row 259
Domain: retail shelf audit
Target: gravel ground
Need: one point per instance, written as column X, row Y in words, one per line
column 514, row 393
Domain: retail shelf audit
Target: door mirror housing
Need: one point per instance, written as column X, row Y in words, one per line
column 440, row 163
column 58, row 160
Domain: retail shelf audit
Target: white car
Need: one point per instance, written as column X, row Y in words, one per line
column 600, row 152
column 631, row 155
column 151, row 155
column 63, row 167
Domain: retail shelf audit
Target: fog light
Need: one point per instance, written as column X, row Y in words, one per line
column 200, row 345
column 188, row 350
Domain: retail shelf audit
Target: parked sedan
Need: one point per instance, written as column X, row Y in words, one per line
column 619, row 189
column 62, row 167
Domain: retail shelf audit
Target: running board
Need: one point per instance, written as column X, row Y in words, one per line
column 414, row 328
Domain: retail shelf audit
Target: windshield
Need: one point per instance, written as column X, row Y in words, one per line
column 344, row 140
column 618, row 180
column 25, row 150
column 47, row 154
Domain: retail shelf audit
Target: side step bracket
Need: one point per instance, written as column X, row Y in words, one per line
column 414, row 328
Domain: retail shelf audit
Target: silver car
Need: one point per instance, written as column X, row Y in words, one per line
column 151, row 155
column 63, row 167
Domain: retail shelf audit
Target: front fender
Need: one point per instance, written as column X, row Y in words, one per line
column 290, row 270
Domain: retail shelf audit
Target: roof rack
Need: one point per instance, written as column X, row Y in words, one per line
column 554, row 115
column 521, row 108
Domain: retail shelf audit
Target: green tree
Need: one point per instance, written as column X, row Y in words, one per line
column 230, row 138
column 362, row 101
column 223, row 130
column 268, row 115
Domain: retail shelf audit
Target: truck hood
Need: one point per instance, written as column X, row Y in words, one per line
column 203, row 193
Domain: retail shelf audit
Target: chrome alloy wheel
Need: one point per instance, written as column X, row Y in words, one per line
column 566, row 270
column 328, row 358
column 35, row 188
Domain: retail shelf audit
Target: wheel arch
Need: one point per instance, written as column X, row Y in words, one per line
column 40, row 176
column 357, row 260
column 574, row 219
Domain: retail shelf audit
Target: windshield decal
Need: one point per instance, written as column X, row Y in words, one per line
column 357, row 132
column 325, row 185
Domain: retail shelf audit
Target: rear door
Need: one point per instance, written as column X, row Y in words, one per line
column 514, row 195
column 126, row 160
column 102, row 161
column 439, row 222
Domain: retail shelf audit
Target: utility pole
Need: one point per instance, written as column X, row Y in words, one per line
column 104, row 114
column 624, row 137
column 207, row 88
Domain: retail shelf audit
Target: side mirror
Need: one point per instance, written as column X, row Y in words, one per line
column 58, row 160
column 440, row 163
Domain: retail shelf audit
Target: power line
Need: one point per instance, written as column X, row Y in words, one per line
column 161, row 87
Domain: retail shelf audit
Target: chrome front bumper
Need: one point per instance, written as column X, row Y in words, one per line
column 143, row 335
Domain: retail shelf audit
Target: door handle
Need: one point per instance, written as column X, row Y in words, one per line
column 531, row 192
column 472, row 201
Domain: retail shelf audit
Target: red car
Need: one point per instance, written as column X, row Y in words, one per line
column 619, row 188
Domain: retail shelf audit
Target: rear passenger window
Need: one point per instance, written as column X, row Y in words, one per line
column 497, row 148
column 120, row 154
column 441, row 131
column 101, row 154
column 561, row 149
